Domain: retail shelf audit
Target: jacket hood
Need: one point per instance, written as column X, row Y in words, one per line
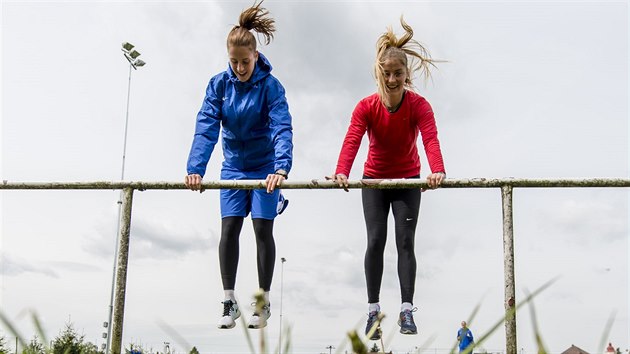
column 252, row 119
column 263, row 69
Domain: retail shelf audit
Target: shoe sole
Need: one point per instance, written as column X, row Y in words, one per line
column 232, row 326
column 256, row 327
column 251, row 326
column 408, row 331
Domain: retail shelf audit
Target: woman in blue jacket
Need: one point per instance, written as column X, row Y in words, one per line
column 250, row 106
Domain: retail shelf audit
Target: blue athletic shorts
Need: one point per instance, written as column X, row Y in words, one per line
column 240, row 202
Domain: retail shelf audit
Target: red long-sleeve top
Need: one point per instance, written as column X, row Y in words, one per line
column 393, row 151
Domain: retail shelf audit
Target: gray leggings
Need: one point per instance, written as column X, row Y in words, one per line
column 405, row 204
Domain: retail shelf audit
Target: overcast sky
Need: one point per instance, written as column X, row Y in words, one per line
column 529, row 89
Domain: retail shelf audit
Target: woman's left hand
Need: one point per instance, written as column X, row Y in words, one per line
column 273, row 180
column 435, row 179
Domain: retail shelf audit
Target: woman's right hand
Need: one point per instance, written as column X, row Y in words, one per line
column 193, row 181
column 340, row 179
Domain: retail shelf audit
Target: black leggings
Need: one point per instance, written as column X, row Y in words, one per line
column 405, row 205
column 229, row 250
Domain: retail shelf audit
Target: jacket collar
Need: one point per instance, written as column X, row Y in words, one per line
column 261, row 70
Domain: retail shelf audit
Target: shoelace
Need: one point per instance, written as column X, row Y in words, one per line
column 407, row 316
column 227, row 306
column 372, row 316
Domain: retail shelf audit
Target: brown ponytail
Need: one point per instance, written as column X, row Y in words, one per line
column 254, row 18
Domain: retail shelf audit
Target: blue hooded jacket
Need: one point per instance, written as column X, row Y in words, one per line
column 465, row 338
column 257, row 133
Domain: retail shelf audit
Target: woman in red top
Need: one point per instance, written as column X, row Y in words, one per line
column 393, row 117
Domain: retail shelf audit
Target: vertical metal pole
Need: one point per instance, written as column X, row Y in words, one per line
column 281, row 289
column 122, row 173
column 508, row 262
column 122, row 177
column 121, row 275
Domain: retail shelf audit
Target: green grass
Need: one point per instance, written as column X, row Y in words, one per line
column 358, row 343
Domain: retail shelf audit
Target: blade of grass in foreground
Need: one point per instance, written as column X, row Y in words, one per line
column 470, row 321
column 287, row 340
column 349, row 336
column 259, row 302
column 12, row 329
column 358, row 347
column 247, row 336
column 539, row 342
column 39, row 329
column 171, row 332
column 509, row 314
column 609, row 324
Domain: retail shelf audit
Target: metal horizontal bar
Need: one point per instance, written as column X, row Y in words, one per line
column 325, row 184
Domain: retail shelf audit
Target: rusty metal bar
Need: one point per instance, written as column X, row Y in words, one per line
column 325, row 184
column 506, row 185
column 121, row 275
column 508, row 270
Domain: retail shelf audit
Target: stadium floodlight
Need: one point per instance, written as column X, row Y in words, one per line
column 127, row 46
column 134, row 54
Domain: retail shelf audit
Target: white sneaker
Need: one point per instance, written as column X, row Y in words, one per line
column 259, row 320
column 230, row 314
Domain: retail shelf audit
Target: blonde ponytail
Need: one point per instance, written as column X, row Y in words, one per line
column 414, row 56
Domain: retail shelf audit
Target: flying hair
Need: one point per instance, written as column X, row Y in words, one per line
column 412, row 54
column 255, row 18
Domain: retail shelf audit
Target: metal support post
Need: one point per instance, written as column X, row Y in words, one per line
column 121, row 276
column 508, row 262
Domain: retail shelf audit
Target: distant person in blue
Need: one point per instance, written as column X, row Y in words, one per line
column 248, row 104
column 464, row 337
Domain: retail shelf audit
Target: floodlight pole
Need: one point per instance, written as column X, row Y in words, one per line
column 133, row 64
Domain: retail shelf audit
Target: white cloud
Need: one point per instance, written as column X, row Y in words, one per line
column 14, row 266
